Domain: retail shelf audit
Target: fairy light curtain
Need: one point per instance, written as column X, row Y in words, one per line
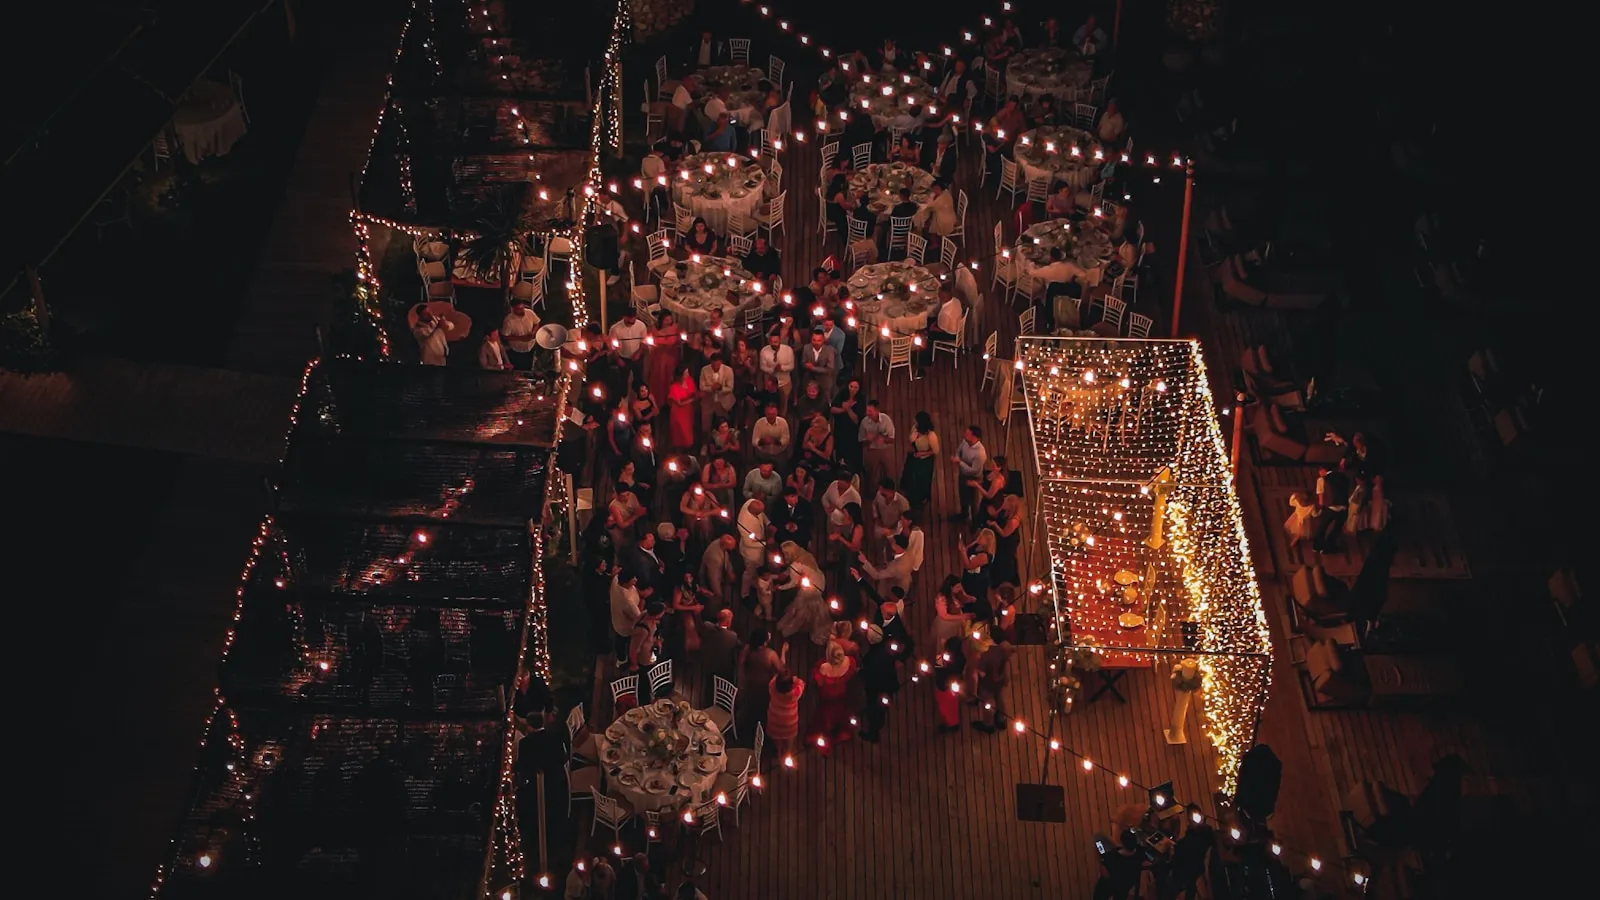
column 1148, row 556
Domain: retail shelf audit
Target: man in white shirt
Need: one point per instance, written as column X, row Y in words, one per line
column 677, row 111
column 770, row 436
column 433, row 337
column 969, row 458
column 518, row 329
column 916, row 541
column 626, row 609
column 877, row 443
column 716, row 392
column 947, row 323
column 939, row 215
column 896, row 573
column 716, row 107
column 777, row 360
column 492, row 355
column 753, row 527
column 627, row 338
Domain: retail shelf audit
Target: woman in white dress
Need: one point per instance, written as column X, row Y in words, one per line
column 808, row 611
column 1299, row 524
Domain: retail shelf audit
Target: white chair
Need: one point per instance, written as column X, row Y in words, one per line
column 1008, row 180
column 1126, row 287
column 1139, row 325
column 1083, row 115
column 645, row 298
column 858, row 255
column 772, row 220
column 1097, row 89
column 993, row 87
column 739, row 246
column 867, row 342
column 825, row 224
column 532, row 266
column 739, row 226
column 761, row 144
column 652, row 827
column 611, row 812
column 660, row 245
column 900, row 357
column 663, row 88
column 960, row 231
column 652, row 172
column 899, row 229
column 724, row 695
column 1038, row 190
column 1025, row 321
column 684, row 217
column 739, row 51
column 575, row 724
column 861, row 156
column 780, row 122
column 748, row 760
column 1028, row 288
column 624, row 686
column 654, row 121
column 916, row 248
column 954, row 347
column 775, row 178
column 991, row 350
column 531, row 291
column 1110, row 324
column 775, row 70
column 830, row 154
column 708, row 818
column 1005, row 269
column 857, row 228
column 735, row 787
column 947, row 254
column 161, row 148
column 582, row 784
column 752, row 318
column 660, row 676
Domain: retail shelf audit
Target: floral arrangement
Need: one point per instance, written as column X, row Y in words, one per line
column 661, row 744
column 1186, row 676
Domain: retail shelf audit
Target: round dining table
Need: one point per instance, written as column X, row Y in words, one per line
column 1047, row 70
column 1085, row 246
column 742, row 83
column 693, row 287
column 887, row 94
column 895, row 295
column 208, row 121
column 717, row 185
column 666, row 755
column 1060, row 153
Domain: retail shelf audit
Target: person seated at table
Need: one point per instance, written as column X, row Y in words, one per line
column 1059, row 269
column 1061, row 203
column 763, row 260
column 1088, row 39
column 1000, row 135
column 840, row 202
column 701, row 239
column 1011, row 34
column 721, row 138
column 996, row 51
column 1044, row 113
column 822, row 285
column 1112, row 125
column 677, row 109
column 939, row 216
column 716, row 103
column 905, row 208
column 672, row 147
column 1050, row 33
column 858, row 130
column 888, row 55
column 939, row 156
column 946, row 322
column 832, row 87
column 1124, row 254
column 907, row 152
column 708, row 51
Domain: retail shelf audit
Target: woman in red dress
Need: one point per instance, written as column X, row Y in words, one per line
column 666, row 354
column 683, row 399
column 832, row 676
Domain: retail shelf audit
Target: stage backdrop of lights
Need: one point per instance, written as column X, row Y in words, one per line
column 1134, row 480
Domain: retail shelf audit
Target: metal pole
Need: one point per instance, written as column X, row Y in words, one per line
column 1116, row 27
column 1183, row 245
column 1238, row 436
column 600, row 276
column 544, row 841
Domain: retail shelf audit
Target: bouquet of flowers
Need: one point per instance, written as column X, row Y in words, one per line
column 660, row 743
column 1186, row 676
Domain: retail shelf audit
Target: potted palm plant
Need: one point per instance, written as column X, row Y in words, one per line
column 500, row 227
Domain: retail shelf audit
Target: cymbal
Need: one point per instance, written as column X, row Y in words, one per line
column 550, row 337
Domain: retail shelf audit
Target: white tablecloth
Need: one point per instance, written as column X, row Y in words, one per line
column 703, row 286
column 879, row 184
column 1046, row 70
column 208, row 121
column 744, row 99
column 1086, row 245
column 1047, row 153
column 648, row 781
column 867, row 95
column 902, row 309
column 724, row 190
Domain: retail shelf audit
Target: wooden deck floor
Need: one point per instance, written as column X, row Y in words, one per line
column 923, row 814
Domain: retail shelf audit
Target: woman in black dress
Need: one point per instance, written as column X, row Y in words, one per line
column 849, row 406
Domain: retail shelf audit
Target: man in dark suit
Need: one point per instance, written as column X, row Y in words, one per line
column 644, row 563
column 880, row 668
column 905, row 208
column 940, row 159
column 792, row 517
column 719, row 647
column 707, row 51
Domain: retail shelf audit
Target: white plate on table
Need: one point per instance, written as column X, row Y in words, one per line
column 630, row 777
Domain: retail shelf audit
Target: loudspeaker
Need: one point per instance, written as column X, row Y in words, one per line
column 1260, row 774
column 600, row 246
